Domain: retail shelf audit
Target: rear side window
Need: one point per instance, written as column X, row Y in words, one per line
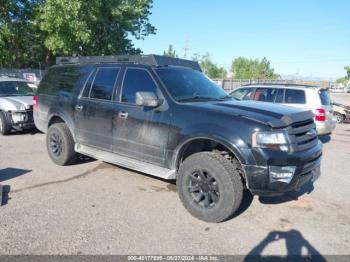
column 60, row 79
column 103, row 85
column 242, row 94
column 136, row 80
column 325, row 99
column 265, row 94
column 294, row 96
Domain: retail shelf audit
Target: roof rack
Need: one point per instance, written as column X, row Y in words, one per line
column 278, row 84
column 154, row 60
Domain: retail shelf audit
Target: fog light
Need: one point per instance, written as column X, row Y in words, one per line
column 281, row 173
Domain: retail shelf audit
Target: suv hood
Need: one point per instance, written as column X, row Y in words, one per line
column 12, row 103
column 274, row 115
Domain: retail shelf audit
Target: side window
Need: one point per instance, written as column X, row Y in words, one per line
column 279, row 95
column 242, row 94
column 102, row 87
column 294, row 96
column 87, row 88
column 265, row 94
column 136, row 80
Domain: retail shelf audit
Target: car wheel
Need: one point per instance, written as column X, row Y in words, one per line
column 209, row 186
column 60, row 144
column 340, row 118
column 5, row 127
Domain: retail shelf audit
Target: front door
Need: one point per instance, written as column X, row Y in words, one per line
column 140, row 132
column 94, row 110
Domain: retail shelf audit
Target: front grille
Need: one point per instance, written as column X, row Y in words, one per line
column 303, row 134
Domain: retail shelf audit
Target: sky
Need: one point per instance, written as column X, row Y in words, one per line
column 299, row 37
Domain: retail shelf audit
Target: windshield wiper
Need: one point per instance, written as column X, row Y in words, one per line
column 195, row 98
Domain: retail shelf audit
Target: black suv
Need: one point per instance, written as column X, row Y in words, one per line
column 164, row 117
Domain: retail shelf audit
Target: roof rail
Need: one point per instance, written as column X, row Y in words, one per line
column 154, row 60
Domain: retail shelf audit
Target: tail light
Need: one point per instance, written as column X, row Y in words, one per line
column 35, row 103
column 320, row 114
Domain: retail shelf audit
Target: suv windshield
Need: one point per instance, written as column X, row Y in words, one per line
column 14, row 88
column 188, row 85
column 325, row 99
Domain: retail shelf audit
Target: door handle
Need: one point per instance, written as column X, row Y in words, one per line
column 123, row 114
column 79, row 107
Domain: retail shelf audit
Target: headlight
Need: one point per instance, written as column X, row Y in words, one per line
column 275, row 140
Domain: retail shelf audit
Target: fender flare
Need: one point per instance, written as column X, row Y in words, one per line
column 67, row 120
column 230, row 146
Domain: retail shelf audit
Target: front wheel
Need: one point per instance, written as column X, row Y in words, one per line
column 210, row 186
column 60, row 144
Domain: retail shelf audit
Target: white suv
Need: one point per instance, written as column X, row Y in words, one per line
column 301, row 96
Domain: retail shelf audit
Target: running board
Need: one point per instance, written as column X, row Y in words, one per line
column 123, row 161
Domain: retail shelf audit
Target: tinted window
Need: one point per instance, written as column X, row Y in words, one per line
column 137, row 80
column 293, row 96
column 265, row 94
column 242, row 94
column 60, row 79
column 104, row 82
column 279, row 96
column 188, row 85
column 325, row 99
column 87, row 88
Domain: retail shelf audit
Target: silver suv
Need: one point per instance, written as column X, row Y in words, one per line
column 16, row 105
column 312, row 98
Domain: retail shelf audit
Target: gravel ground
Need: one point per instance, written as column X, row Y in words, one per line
column 97, row 208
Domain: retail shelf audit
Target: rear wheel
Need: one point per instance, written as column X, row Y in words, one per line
column 209, row 186
column 60, row 144
column 5, row 127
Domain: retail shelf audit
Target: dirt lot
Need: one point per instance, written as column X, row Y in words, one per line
column 97, row 208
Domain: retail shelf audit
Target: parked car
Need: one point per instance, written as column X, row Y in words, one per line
column 16, row 105
column 300, row 96
column 162, row 116
column 341, row 112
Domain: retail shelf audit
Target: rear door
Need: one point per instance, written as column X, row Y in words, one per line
column 94, row 109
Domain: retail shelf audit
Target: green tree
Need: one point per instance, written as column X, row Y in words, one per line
column 20, row 39
column 245, row 68
column 94, row 27
column 211, row 69
column 344, row 80
column 170, row 52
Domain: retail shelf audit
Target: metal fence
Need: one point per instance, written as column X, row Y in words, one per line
column 231, row 84
column 32, row 75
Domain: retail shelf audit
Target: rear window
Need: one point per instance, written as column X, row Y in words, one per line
column 325, row 99
column 293, row 96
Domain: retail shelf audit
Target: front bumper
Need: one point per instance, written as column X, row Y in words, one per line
column 21, row 120
column 261, row 181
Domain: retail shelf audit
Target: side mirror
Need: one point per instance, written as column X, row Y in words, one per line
column 148, row 99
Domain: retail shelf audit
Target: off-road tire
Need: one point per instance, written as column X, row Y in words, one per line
column 64, row 139
column 227, row 177
column 5, row 127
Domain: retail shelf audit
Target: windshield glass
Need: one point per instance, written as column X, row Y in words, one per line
column 188, row 85
column 13, row 88
column 325, row 99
